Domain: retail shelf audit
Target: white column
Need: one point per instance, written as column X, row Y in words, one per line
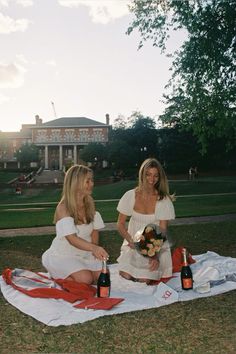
column 75, row 154
column 46, row 157
column 18, row 164
column 60, row 158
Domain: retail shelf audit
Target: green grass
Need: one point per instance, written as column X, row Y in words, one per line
column 7, row 176
column 193, row 198
column 26, row 216
column 205, row 205
column 205, row 325
column 116, row 190
column 210, row 185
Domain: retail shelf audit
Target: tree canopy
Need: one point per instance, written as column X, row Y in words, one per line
column 94, row 153
column 201, row 93
column 27, row 153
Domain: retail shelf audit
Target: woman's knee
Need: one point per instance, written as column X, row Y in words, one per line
column 83, row 276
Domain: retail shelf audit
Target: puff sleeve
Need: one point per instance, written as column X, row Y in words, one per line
column 165, row 209
column 126, row 203
column 98, row 222
column 65, row 227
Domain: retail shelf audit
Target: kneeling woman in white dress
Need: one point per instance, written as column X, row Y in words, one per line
column 74, row 253
column 149, row 203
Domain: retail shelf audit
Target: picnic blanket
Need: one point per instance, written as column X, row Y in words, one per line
column 213, row 274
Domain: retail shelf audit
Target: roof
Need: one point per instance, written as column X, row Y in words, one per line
column 66, row 122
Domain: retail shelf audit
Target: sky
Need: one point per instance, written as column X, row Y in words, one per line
column 73, row 58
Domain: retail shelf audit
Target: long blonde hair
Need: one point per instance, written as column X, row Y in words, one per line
column 75, row 179
column 162, row 185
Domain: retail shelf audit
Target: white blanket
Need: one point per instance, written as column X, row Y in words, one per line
column 212, row 273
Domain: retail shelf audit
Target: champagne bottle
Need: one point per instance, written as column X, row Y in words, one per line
column 186, row 273
column 104, row 282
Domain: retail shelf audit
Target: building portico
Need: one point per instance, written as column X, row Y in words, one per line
column 60, row 140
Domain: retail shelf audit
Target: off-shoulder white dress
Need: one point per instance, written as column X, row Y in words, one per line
column 130, row 260
column 63, row 259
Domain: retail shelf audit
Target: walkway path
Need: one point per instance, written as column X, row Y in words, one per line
column 47, row 230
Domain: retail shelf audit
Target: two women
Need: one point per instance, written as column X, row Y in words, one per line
column 75, row 253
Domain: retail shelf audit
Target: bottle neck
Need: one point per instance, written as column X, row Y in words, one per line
column 185, row 262
column 104, row 266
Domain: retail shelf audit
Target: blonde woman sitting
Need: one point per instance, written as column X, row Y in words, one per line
column 74, row 253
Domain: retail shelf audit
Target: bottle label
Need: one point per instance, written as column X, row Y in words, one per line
column 104, row 291
column 187, row 283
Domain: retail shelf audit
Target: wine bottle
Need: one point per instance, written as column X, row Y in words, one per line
column 104, row 282
column 186, row 273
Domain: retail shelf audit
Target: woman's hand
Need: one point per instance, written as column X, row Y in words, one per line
column 131, row 244
column 153, row 264
column 100, row 253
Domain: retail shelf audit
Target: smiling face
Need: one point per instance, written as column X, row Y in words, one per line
column 85, row 184
column 151, row 177
column 88, row 183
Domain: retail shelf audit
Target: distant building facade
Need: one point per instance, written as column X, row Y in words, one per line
column 59, row 140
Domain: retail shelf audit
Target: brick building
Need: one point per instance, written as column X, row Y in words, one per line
column 59, row 140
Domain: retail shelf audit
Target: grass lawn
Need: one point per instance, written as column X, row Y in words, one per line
column 200, row 326
column 8, row 176
column 116, row 190
column 35, row 207
column 42, row 215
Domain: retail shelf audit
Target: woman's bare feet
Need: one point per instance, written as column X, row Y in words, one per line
column 130, row 277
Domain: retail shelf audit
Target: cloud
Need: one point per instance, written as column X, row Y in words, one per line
column 3, row 99
column 11, row 75
column 9, row 25
column 51, row 62
column 24, row 3
column 102, row 11
column 21, row 58
column 4, row 3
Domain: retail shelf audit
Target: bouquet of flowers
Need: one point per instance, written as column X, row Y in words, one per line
column 148, row 241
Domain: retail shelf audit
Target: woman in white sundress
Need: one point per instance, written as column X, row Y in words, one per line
column 150, row 202
column 74, row 253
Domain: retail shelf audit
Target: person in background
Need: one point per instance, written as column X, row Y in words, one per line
column 74, row 253
column 191, row 173
column 149, row 202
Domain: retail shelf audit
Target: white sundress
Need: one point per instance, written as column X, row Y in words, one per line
column 130, row 260
column 63, row 259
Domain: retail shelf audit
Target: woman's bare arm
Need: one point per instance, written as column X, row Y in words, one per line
column 78, row 242
column 121, row 225
column 95, row 237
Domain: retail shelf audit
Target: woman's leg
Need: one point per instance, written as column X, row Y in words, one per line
column 82, row 276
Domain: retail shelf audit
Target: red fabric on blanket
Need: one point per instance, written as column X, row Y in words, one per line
column 177, row 259
column 177, row 263
column 84, row 291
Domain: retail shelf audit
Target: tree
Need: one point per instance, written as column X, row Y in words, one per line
column 121, row 155
column 93, row 152
column 202, row 88
column 140, row 134
column 143, row 135
column 27, row 153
